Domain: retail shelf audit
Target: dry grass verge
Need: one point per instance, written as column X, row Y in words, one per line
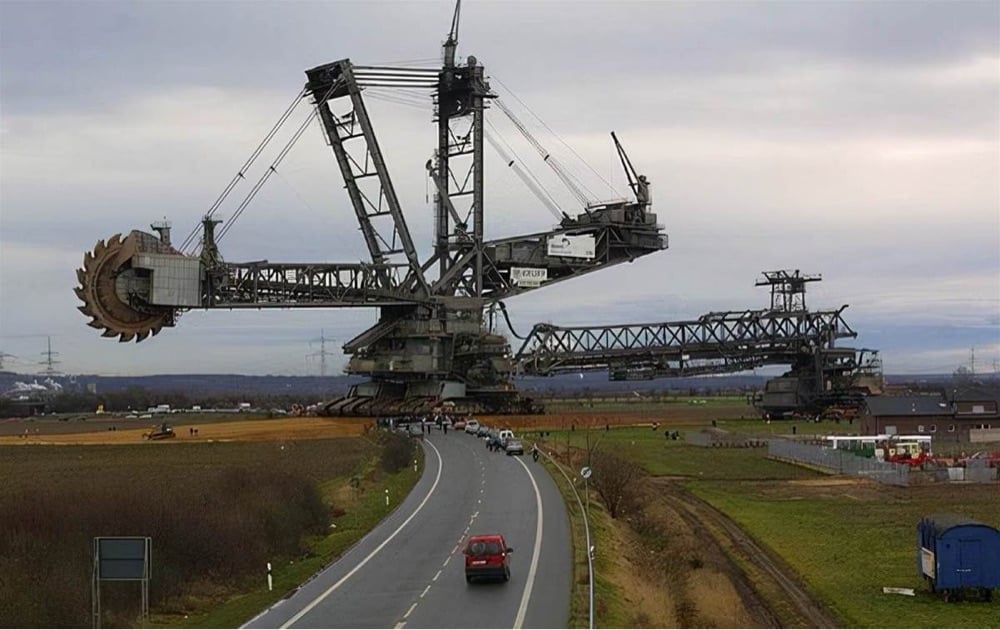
column 217, row 513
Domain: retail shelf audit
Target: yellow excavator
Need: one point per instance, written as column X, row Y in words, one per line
column 164, row 432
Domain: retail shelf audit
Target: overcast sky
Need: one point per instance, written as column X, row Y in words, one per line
column 857, row 140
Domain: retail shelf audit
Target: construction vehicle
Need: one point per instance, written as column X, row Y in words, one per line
column 163, row 432
column 912, row 452
column 430, row 343
column 436, row 338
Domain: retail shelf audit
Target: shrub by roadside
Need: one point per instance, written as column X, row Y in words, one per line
column 214, row 524
column 397, row 451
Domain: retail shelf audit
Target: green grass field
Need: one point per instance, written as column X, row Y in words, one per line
column 662, row 457
column 847, row 540
column 849, row 544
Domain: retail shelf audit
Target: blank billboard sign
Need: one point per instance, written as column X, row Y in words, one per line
column 122, row 558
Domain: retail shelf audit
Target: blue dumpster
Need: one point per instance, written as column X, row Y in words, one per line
column 955, row 553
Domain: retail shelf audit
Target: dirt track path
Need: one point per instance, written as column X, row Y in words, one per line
column 768, row 577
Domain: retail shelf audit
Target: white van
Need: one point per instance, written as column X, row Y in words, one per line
column 505, row 435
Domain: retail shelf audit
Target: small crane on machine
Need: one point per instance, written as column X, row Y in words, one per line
column 430, row 343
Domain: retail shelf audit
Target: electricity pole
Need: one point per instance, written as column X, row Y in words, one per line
column 322, row 353
column 49, row 361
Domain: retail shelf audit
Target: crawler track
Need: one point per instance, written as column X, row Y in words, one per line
column 771, row 580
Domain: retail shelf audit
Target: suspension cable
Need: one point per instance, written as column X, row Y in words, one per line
column 267, row 174
column 430, row 62
column 546, row 156
column 240, row 173
column 281, row 156
column 535, row 186
column 557, row 137
column 398, row 96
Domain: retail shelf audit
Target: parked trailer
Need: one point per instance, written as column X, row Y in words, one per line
column 956, row 553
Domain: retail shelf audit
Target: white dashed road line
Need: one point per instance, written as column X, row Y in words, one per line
column 407, row 615
column 358, row 567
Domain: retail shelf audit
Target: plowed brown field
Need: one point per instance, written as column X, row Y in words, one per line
column 233, row 431
column 95, row 429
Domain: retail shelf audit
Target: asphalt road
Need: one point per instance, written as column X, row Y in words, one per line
column 409, row 571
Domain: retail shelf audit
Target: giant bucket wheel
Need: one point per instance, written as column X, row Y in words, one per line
column 113, row 292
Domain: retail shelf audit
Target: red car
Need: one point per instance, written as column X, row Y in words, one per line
column 487, row 555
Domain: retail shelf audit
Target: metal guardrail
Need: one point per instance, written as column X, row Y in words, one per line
column 586, row 529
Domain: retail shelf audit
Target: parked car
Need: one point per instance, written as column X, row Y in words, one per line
column 482, row 431
column 472, row 427
column 505, row 434
column 514, row 447
column 487, row 555
column 458, row 425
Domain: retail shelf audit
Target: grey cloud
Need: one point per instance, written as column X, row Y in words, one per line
column 104, row 50
column 858, row 140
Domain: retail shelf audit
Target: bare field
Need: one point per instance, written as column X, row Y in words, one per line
column 219, row 431
column 94, row 429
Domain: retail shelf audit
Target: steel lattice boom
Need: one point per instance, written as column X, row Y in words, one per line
column 820, row 374
column 715, row 343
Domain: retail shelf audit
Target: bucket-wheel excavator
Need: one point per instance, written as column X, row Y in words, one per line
column 434, row 340
column 430, row 342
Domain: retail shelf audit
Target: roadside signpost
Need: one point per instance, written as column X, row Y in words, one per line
column 120, row 559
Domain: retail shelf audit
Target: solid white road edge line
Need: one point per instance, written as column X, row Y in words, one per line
column 385, row 542
column 530, row 582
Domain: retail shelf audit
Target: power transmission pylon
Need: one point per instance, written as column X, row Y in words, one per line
column 49, row 361
column 322, row 353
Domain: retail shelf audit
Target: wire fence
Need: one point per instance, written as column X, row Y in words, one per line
column 840, row 461
column 722, row 439
column 979, row 472
column 698, row 438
